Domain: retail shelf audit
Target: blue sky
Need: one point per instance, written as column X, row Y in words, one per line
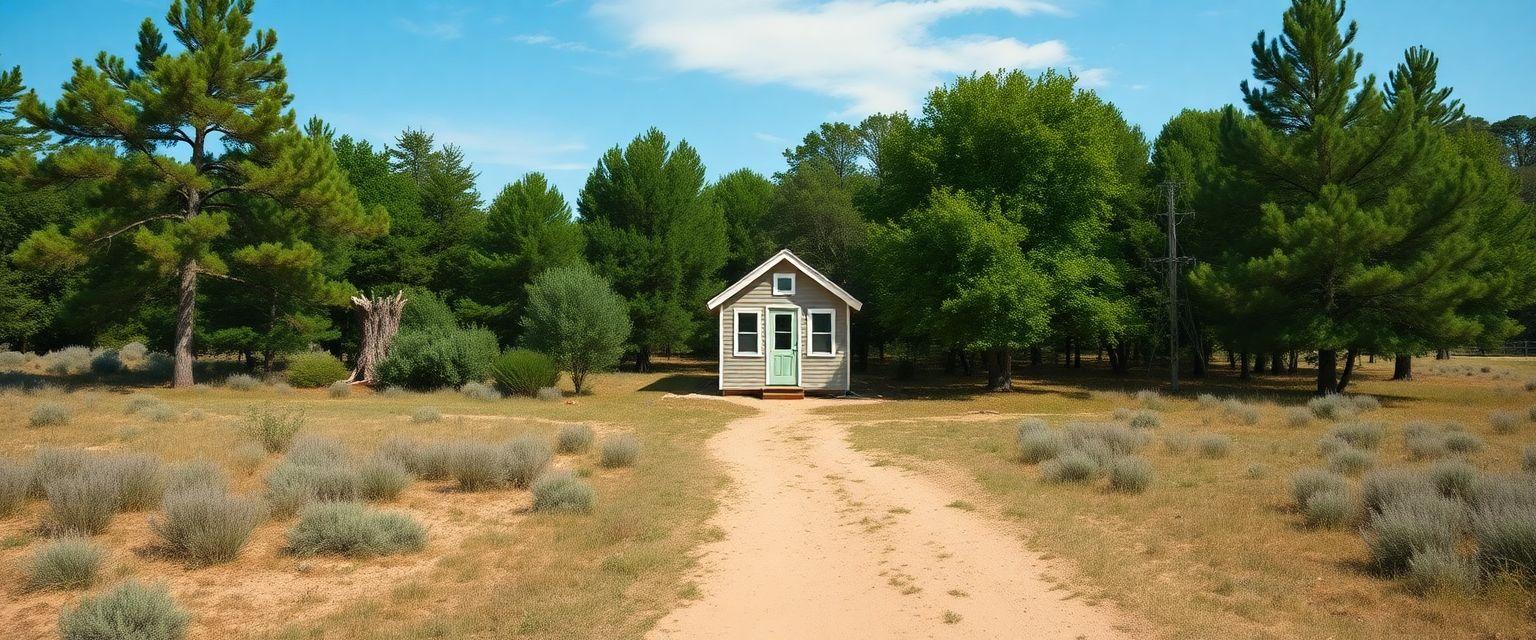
column 548, row 85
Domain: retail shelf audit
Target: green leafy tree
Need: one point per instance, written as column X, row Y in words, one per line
column 529, row 229
column 952, row 271
column 813, row 214
column 577, row 319
column 652, row 234
column 743, row 197
column 222, row 104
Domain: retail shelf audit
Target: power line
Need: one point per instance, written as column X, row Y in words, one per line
column 1174, row 260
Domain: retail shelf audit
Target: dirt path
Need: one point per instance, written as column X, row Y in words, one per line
column 821, row 543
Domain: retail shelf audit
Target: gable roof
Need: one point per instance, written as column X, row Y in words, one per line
column 784, row 256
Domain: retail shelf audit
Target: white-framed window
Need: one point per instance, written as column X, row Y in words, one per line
column 823, row 335
column 783, row 284
column 748, row 328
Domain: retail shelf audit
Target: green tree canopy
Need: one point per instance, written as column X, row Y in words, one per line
column 575, row 317
column 529, row 229
column 744, row 197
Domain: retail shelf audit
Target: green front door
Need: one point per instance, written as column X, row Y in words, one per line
column 783, row 348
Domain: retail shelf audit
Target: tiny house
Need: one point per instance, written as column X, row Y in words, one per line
column 784, row 331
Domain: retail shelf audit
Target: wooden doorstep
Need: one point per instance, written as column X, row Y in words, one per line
column 768, row 393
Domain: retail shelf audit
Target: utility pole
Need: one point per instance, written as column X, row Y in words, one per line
column 1172, row 215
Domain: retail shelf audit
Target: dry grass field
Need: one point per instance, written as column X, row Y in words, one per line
column 1214, row 548
column 490, row 567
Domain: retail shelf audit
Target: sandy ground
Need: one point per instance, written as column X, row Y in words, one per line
column 820, row 542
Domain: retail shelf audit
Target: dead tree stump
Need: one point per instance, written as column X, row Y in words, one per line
column 380, row 317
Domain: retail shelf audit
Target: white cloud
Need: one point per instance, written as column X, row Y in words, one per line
column 877, row 55
column 544, row 40
column 449, row 27
column 769, row 138
column 1095, row 78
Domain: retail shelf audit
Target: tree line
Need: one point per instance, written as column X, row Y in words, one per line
column 176, row 198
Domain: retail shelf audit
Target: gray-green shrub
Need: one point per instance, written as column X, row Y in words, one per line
column 1146, row 419
column 1385, row 486
column 1528, row 458
column 574, row 438
column 428, row 461
column 1297, row 417
column 1150, row 399
column 619, row 451
column 292, row 486
column 1309, row 482
column 195, row 473
column 160, row 413
column 1036, row 446
column 204, row 526
column 1329, row 508
column 478, row 466
column 247, row 456
column 15, row 479
column 1332, row 407
column 1330, row 444
column 50, row 463
column 66, row 563
column 1428, row 446
column 1504, row 421
column 426, row 414
column 139, row 479
column 1453, row 478
column 479, row 391
column 129, row 611
column 274, row 428
column 313, row 450
column 1117, row 439
column 446, row 357
column 1441, row 571
column 48, row 414
column 1463, row 442
column 1351, row 461
column 1362, row 435
column 82, row 504
column 1213, row 445
column 561, row 491
column 1130, row 474
column 340, row 389
column 1499, row 491
column 348, row 528
column 1178, row 443
column 242, row 382
column 574, row 315
column 1412, row 524
column 106, row 362
column 1071, row 466
column 381, row 479
column 1506, row 540
column 525, row 457
column 140, row 402
column 1240, row 411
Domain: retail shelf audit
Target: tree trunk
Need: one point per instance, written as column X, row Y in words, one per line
column 1258, row 363
column 1402, row 367
column 1114, row 360
column 1000, row 369
column 380, row 318
column 1244, row 372
column 1349, row 368
column 643, row 360
column 1197, row 363
column 1442, row 354
column 1276, row 363
column 1327, row 371
column 1293, row 364
column 1231, row 359
column 1034, row 356
column 965, row 362
column 1077, row 356
column 186, row 315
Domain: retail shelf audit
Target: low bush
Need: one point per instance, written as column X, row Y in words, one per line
column 140, row 402
column 1130, row 474
column 1032, row 424
column 1427, row 446
column 479, row 391
column 1331, row 407
column 50, row 464
column 66, row 563
column 1213, row 445
column 12, row 360
column 315, row 369
column 274, row 428
column 197, row 473
column 422, row 415
column 1122, row 413
column 428, row 461
column 1441, row 571
column 1146, row 419
column 348, row 528
column 1491, row 491
column 1385, row 486
column 133, row 353
column 106, row 362
column 1412, row 524
column 1116, row 439
column 82, row 504
column 129, row 611
column 205, row 526
column 550, row 394
column 1151, row 399
column 1208, row 401
column 1309, row 482
column 381, row 479
column 1361, row 435
column 425, row 360
column 139, row 479
column 1462, row 442
column 1505, row 421
column 574, row 438
column 1036, row 446
column 1329, row 508
column 48, row 414
column 1528, row 458
column 561, row 491
column 523, row 372
column 15, row 479
column 1453, row 478
column 1351, row 461
column 1506, row 540
column 478, row 466
column 1297, row 417
column 525, row 457
column 159, row 413
column 1240, row 411
column 619, row 451
column 1178, row 443
column 292, row 486
column 1071, row 466
column 247, row 457
column 340, row 389
column 242, row 382
column 67, row 361
column 316, row 450
column 1330, row 444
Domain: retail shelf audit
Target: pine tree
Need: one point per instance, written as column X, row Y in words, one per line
column 15, row 134
column 652, row 234
column 224, row 89
column 529, row 229
column 743, row 197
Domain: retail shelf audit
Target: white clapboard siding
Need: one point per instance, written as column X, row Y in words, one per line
column 816, row 372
